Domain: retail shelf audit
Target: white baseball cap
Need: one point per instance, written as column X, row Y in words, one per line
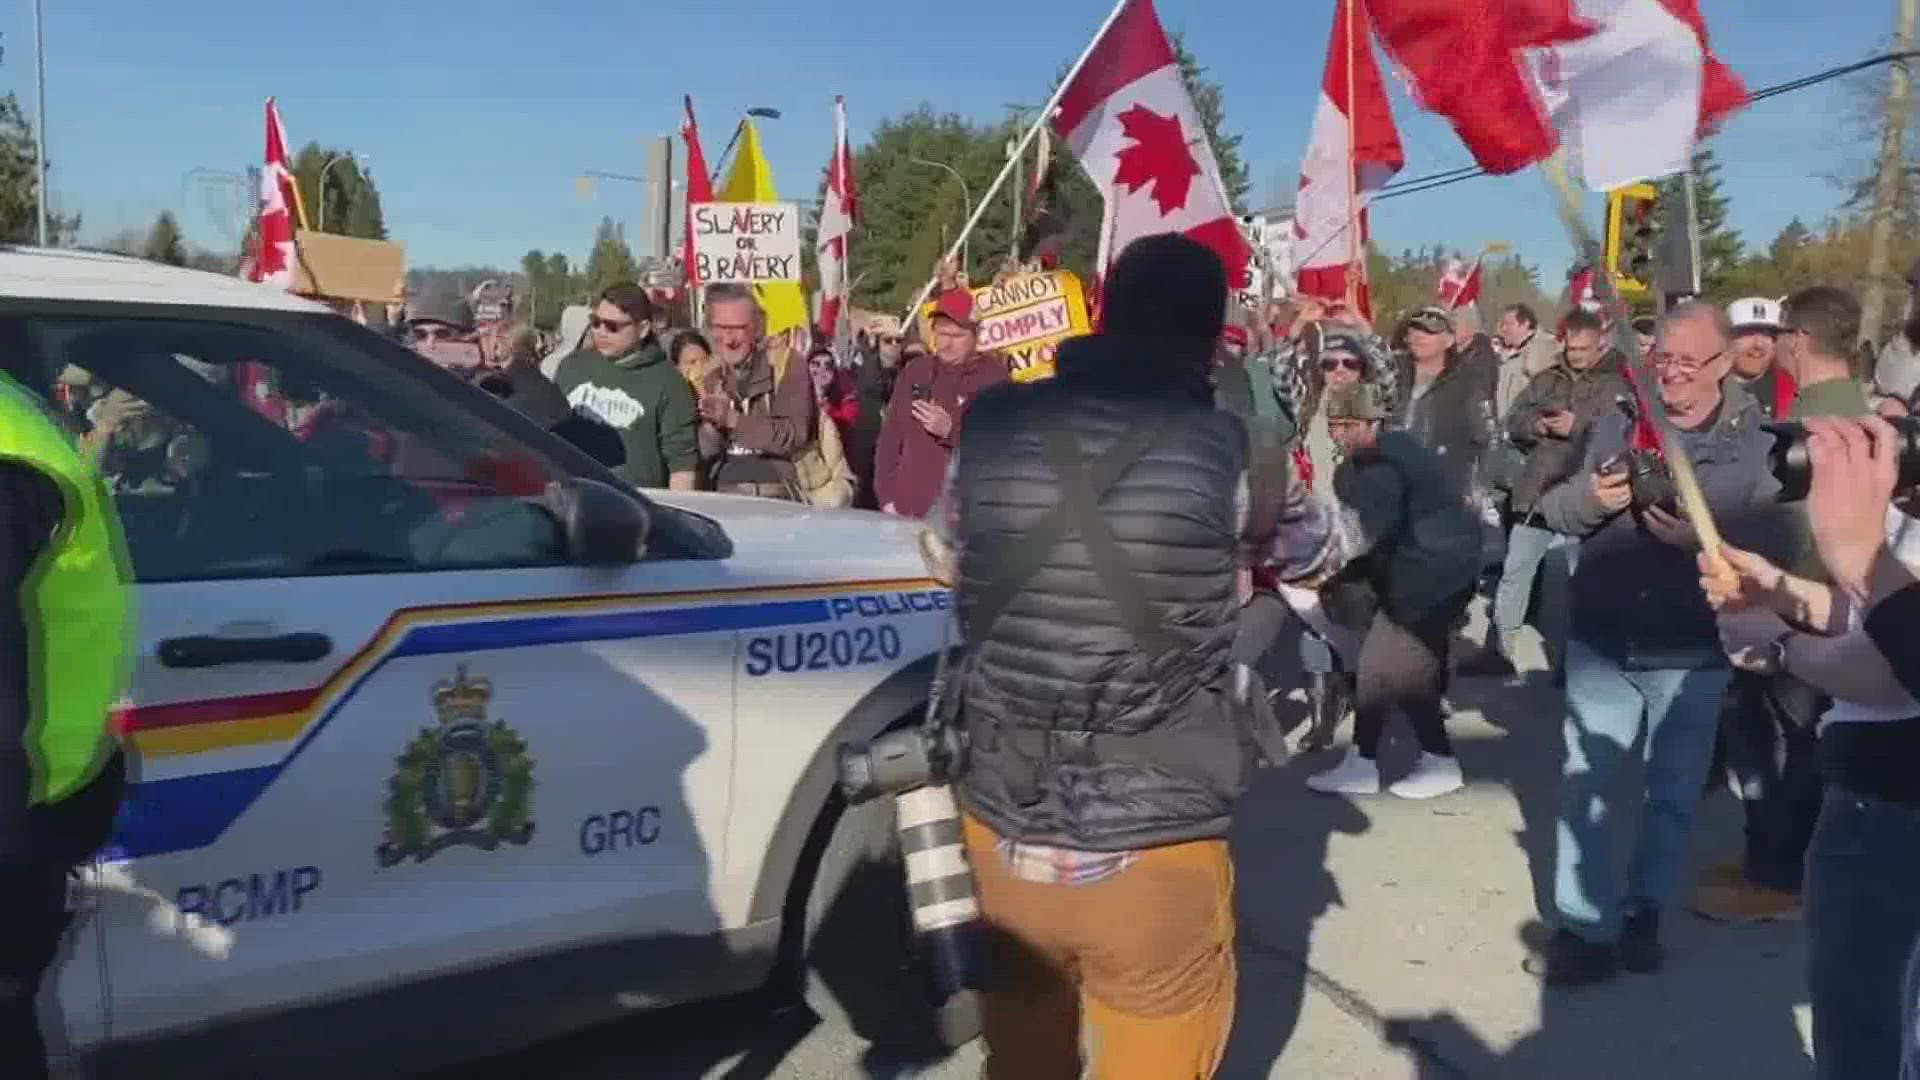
column 1755, row 312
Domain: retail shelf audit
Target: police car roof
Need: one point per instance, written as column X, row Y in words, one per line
column 63, row 274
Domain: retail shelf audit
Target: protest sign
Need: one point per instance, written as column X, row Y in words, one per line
column 1025, row 316
column 747, row 243
column 348, row 268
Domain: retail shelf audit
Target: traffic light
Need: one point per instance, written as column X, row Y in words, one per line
column 1632, row 233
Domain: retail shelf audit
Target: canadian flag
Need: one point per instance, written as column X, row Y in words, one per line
column 1459, row 284
column 699, row 189
column 838, row 209
column 1630, row 85
column 1130, row 120
column 1353, row 151
column 272, row 261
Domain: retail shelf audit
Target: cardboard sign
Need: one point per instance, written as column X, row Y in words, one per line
column 747, row 243
column 1025, row 316
column 348, row 268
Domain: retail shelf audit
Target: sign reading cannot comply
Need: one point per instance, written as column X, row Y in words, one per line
column 1023, row 315
column 749, row 243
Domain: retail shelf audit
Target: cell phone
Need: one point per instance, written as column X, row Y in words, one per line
column 1615, row 464
column 921, row 392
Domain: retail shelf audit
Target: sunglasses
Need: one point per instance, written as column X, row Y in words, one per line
column 608, row 325
column 890, row 339
column 1334, row 363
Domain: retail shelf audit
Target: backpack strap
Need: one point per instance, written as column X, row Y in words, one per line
column 1084, row 488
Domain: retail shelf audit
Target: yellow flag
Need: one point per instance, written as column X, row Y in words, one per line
column 751, row 180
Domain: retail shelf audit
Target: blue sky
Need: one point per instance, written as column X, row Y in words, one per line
column 478, row 115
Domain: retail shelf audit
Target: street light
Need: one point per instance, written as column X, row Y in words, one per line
column 320, row 186
column 965, row 196
column 40, row 124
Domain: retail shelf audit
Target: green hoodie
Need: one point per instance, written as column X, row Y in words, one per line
column 642, row 396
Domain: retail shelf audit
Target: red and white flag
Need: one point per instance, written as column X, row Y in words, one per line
column 1632, row 99
column 1627, row 86
column 1459, row 284
column 699, row 189
column 1128, row 117
column 838, row 209
column 1353, row 151
column 271, row 260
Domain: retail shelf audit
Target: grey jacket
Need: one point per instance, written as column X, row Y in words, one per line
column 1637, row 599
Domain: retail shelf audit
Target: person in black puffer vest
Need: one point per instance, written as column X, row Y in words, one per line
column 1101, row 522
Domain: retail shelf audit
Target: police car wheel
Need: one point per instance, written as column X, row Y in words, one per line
column 859, row 964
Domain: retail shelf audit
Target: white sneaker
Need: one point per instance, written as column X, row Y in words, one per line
column 1354, row 775
column 1432, row 776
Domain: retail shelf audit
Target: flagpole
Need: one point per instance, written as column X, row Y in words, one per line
column 1045, row 117
column 1353, row 173
column 1686, row 484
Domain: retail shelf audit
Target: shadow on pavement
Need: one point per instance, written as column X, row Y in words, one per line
column 1280, row 893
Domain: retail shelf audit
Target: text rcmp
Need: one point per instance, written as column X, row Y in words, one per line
column 256, row 896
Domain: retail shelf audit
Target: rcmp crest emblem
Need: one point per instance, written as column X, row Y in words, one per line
column 464, row 781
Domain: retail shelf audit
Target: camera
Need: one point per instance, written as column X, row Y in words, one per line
column 1793, row 467
column 1648, row 476
column 901, row 761
column 916, row 766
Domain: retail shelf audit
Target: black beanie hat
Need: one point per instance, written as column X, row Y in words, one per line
column 1166, row 287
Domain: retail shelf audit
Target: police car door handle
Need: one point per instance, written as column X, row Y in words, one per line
column 202, row 651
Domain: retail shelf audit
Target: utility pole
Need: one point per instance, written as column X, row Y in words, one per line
column 40, row 125
column 1886, row 186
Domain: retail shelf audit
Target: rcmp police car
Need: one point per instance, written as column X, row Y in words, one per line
column 450, row 786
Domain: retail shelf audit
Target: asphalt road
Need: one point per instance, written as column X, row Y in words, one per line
column 1379, row 939
column 756, row 1037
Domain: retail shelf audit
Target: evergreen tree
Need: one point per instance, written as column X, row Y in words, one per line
column 20, row 183
column 611, row 261
column 349, row 205
column 163, row 244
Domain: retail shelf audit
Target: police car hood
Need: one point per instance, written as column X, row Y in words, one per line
column 797, row 542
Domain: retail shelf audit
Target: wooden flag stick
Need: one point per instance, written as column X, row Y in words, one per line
column 1686, row 483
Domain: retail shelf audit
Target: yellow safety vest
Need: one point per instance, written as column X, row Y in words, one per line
column 76, row 606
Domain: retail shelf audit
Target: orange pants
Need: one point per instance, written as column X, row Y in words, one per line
column 1145, row 957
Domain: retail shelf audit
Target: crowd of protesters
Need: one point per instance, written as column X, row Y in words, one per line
column 1526, row 466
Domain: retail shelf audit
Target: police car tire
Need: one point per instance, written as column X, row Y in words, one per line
column 857, row 951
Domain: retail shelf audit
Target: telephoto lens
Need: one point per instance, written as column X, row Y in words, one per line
column 946, row 914
column 1793, row 467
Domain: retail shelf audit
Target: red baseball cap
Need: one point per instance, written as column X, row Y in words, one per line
column 955, row 304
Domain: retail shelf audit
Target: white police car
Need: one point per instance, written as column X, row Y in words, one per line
column 449, row 786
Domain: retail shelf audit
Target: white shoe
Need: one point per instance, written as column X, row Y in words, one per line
column 1432, row 776
column 1354, row 775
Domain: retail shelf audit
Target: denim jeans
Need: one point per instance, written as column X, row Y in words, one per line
column 1531, row 551
column 1608, row 708
column 1863, row 919
column 1767, row 732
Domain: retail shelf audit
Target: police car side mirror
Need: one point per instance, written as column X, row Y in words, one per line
column 603, row 525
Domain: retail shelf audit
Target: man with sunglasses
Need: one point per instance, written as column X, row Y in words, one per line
column 1768, row 726
column 880, row 363
column 623, row 379
column 755, row 414
column 1644, row 667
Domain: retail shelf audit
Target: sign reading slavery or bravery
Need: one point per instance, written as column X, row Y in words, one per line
column 1025, row 315
column 750, row 243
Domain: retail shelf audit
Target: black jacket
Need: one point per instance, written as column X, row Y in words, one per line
column 1589, row 395
column 1081, row 735
column 1455, row 419
column 66, row 832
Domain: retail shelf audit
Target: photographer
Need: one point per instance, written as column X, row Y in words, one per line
column 1863, row 865
column 1100, row 520
column 1767, row 728
column 1643, row 655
